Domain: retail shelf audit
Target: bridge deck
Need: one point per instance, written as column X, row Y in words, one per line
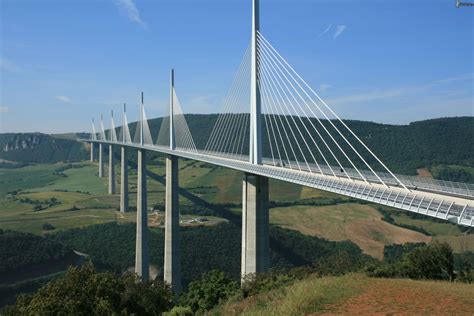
column 444, row 200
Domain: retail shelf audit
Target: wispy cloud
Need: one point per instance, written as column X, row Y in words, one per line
column 9, row 66
column 204, row 103
column 63, row 98
column 339, row 30
column 369, row 96
column 324, row 87
column 129, row 8
column 439, row 86
column 325, row 31
column 4, row 109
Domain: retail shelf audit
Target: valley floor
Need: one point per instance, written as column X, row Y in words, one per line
column 355, row 294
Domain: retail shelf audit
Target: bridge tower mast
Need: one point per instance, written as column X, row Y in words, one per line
column 172, row 134
column 172, row 267
column 124, row 166
column 255, row 216
column 141, row 247
column 255, row 99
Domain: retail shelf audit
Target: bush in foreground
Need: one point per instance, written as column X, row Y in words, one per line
column 431, row 262
column 84, row 291
column 212, row 288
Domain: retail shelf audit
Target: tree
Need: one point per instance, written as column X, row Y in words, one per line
column 84, row 291
column 207, row 292
column 48, row 226
column 434, row 262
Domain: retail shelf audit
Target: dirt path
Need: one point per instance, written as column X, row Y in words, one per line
column 406, row 297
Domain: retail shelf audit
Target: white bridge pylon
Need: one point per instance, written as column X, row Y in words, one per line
column 303, row 141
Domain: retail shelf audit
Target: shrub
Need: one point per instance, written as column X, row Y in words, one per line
column 204, row 294
column 48, row 226
column 84, row 291
column 434, row 262
column 180, row 311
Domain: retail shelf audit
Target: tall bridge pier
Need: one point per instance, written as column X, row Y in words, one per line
column 172, row 266
column 101, row 160
column 92, row 152
column 111, row 170
column 123, row 180
column 255, row 223
column 141, row 248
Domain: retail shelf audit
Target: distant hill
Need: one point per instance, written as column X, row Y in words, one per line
column 404, row 148
column 41, row 148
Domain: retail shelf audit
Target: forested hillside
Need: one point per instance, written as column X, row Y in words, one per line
column 40, row 148
column 404, row 148
column 203, row 248
column 20, row 251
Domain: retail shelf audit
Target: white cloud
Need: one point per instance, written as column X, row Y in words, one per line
column 325, row 31
column 4, row 109
column 324, row 87
column 369, row 96
column 63, row 98
column 204, row 104
column 339, row 30
column 7, row 65
column 129, row 8
column 438, row 87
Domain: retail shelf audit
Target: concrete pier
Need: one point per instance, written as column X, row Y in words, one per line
column 111, row 170
column 101, row 161
column 92, row 152
column 141, row 248
column 172, row 269
column 123, row 180
column 255, row 224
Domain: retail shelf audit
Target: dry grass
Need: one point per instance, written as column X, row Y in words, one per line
column 359, row 223
column 423, row 172
column 409, row 297
column 356, row 294
column 303, row 297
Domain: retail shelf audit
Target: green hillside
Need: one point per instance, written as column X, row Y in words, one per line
column 444, row 145
column 40, row 148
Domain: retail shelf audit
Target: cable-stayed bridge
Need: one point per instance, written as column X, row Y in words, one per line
column 272, row 125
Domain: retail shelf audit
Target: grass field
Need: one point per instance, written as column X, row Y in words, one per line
column 360, row 223
column 445, row 232
column 355, row 294
column 82, row 200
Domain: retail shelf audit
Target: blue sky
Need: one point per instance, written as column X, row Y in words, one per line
column 391, row 61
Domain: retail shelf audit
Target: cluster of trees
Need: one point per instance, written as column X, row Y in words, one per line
column 39, row 205
column 387, row 217
column 202, row 248
column 435, row 261
column 450, row 173
column 45, row 149
column 20, row 250
column 211, row 269
column 85, row 291
column 388, row 212
column 12, row 165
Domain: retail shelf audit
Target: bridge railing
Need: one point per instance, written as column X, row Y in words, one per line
column 414, row 201
column 412, row 182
